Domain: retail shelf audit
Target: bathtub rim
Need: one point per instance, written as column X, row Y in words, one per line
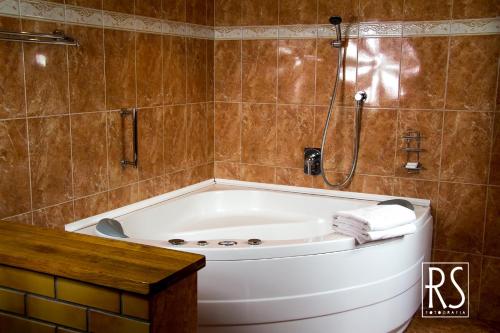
column 92, row 220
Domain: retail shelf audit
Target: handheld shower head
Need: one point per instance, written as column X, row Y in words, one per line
column 335, row 20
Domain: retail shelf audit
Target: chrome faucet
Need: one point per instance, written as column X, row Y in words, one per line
column 312, row 160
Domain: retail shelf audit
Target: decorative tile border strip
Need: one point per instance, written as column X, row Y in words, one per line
column 50, row 11
column 371, row 29
column 56, row 12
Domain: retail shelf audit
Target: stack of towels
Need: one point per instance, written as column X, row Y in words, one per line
column 375, row 222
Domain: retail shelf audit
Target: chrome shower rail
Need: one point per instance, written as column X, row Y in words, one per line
column 57, row 37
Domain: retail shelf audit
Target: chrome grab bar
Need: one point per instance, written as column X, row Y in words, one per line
column 57, row 37
column 124, row 113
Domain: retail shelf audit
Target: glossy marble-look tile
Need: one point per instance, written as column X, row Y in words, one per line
column 494, row 178
column 89, row 152
column 378, row 70
column 347, row 9
column 86, row 70
column 174, row 70
column 149, row 8
column 227, row 132
column 378, row 142
column 197, row 134
column 96, row 4
column 91, row 205
column 227, row 12
column 200, row 173
column 449, row 292
column 259, row 12
column 210, row 13
column 460, row 217
column 210, row 139
column 119, row 48
column 423, row 72
column 227, row 170
column 227, row 71
column 151, row 188
column 326, row 69
column 371, row 184
column 149, row 70
column 176, row 180
column 55, row 216
column 175, row 138
column 260, row 70
column 50, row 156
column 377, row 10
column 471, row 80
column 293, row 177
column 296, row 67
column 257, row 173
column 427, row 10
column 150, row 135
column 120, row 146
column 123, row 196
column 210, row 71
column 12, row 102
column 46, row 73
column 295, row 124
column 14, row 168
column 466, row 146
column 196, row 70
column 196, row 11
column 490, row 293
column 359, row 183
column 121, row 6
column 467, row 9
column 492, row 230
column 26, row 218
column 298, row 12
column 339, row 141
column 174, row 10
column 430, row 126
column 413, row 188
column 258, row 134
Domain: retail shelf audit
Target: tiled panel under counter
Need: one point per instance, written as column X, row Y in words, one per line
column 53, row 281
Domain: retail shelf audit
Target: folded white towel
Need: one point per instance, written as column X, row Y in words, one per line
column 376, row 217
column 369, row 236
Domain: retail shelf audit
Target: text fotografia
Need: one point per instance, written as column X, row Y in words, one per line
column 445, row 290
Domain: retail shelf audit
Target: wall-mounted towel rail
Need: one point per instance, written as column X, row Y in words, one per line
column 57, row 37
column 124, row 113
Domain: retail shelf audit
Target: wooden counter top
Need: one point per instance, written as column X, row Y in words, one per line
column 106, row 262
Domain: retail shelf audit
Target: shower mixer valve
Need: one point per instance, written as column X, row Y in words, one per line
column 312, row 161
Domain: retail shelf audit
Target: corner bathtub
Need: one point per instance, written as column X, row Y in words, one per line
column 303, row 277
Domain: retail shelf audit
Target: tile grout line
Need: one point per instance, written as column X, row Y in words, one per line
column 107, row 114
column 398, row 134
column 445, row 96
column 68, row 100
column 276, row 104
column 136, row 79
column 26, row 120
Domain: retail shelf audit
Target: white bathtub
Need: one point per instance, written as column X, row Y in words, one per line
column 303, row 277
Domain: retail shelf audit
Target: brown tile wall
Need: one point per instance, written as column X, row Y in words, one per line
column 271, row 99
column 61, row 134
